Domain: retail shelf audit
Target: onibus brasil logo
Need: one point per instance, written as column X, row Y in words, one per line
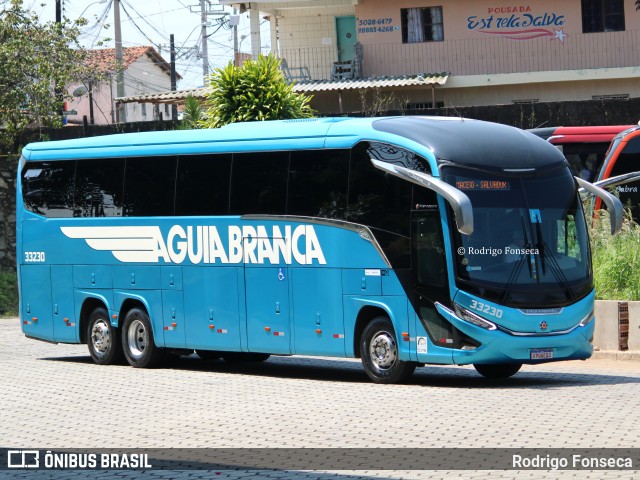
column 204, row 244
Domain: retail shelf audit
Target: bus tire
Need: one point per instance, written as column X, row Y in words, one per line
column 208, row 354
column 244, row 357
column 137, row 340
column 379, row 353
column 103, row 339
column 497, row 370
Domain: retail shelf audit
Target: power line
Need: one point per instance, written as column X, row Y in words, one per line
column 136, row 25
column 145, row 19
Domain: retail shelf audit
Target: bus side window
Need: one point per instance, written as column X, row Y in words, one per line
column 48, row 188
column 99, row 184
column 318, row 183
column 585, row 159
column 381, row 201
column 376, row 198
column 149, row 186
column 202, row 187
column 259, row 183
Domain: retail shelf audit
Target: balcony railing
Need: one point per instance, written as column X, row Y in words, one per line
column 481, row 55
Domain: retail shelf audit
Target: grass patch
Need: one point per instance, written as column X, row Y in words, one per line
column 616, row 260
column 8, row 294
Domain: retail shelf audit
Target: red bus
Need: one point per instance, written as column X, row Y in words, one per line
column 584, row 148
column 623, row 157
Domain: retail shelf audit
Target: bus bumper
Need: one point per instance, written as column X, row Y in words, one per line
column 501, row 347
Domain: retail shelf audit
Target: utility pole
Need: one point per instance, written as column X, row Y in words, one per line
column 174, row 107
column 58, row 88
column 205, row 40
column 58, row 11
column 121, row 115
column 204, row 13
column 236, row 59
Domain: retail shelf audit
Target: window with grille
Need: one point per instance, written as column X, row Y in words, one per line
column 602, row 16
column 422, row 25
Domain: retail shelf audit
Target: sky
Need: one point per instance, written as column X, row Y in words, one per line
column 150, row 22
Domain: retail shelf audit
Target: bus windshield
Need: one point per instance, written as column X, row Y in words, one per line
column 529, row 246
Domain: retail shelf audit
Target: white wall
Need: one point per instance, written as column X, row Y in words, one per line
column 141, row 77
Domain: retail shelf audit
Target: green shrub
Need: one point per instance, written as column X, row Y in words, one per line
column 255, row 91
column 616, row 260
column 8, row 294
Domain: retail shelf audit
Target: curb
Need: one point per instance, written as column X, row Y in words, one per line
column 633, row 356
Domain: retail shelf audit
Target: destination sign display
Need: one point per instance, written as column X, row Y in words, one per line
column 470, row 184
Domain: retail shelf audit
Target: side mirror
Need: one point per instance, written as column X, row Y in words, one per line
column 613, row 203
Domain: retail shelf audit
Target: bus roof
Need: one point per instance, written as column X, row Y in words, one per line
column 446, row 139
column 459, row 140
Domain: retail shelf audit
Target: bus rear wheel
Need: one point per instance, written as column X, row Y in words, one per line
column 379, row 353
column 103, row 339
column 498, row 370
column 137, row 340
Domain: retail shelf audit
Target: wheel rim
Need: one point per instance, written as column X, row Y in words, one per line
column 100, row 338
column 383, row 351
column 137, row 338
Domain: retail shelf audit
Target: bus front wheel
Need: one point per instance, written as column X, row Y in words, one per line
column 102, row 339
column 379, row 353
column 498, row 370
column 137, row 340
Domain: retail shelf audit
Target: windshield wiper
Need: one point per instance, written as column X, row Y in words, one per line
column 540, row 246
column 553, row 263
column 527, row 246
column 518, row 266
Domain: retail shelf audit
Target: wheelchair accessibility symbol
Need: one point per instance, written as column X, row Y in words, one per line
column 281, row 276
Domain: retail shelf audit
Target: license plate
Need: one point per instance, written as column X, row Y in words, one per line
column 541, row 353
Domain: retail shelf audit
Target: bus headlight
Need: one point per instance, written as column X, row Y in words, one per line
column 588, row 319
column 471, row 317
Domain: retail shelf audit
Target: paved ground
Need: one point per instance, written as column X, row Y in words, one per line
column 53, row 396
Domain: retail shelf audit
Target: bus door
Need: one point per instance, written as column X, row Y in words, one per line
column 430, row 283
column 267, row 302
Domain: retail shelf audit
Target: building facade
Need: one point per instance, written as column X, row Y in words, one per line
column 145, row 72
column 490, row 52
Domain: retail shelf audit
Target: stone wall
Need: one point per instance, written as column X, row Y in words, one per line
column 534, row 115
column 7, row 212
column 608, row 325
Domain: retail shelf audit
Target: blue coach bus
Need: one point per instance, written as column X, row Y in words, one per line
column 403, row 241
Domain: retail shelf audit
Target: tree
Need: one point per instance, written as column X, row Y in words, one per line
column 193, row 113
column 255, row 91
column 35, row 59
